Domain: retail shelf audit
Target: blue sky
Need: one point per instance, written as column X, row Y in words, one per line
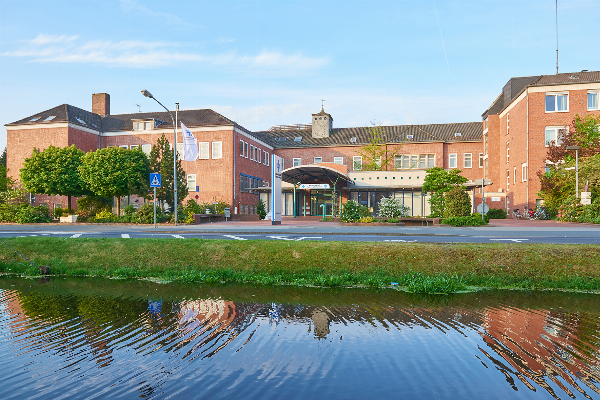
column 264, row 63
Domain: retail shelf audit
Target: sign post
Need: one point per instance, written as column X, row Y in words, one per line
column 154, row 183
column 276, row 169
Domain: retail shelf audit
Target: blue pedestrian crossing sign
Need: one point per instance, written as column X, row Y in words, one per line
column 154, row 180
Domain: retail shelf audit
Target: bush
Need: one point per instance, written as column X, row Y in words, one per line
column 60, row 212
column 105, row 216
column 366, row 220
column 145, row 214
column 26, row 214
column 573, row 211
column 260, row 209
column 471, row 220
column 392, row 220
column 457, row 203
column 352, row 211
column 496, row 213
column 129, row 210
column 89, row 206
column 392, row 208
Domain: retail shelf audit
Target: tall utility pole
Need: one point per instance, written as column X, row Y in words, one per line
column 556, row 37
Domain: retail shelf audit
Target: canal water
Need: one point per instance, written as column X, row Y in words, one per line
column 96, row 338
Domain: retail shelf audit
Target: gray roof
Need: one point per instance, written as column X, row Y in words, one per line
column 515, row 86
column 64, row 113
column 190, row 118
column 470, row 131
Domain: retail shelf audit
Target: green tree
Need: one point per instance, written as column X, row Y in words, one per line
column 114, row 171
column 54, row 171
column 457, row 203
column 375, row 155
column 161, row 161
column 439, row 181
column 261, row 210
column 3, row 158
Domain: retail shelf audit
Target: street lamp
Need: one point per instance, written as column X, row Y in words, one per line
column 576, row 148
column 149, row 95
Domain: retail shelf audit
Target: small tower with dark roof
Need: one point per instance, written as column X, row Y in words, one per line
column 321, row 124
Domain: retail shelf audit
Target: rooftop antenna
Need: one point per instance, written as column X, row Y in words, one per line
column 322, row 106
column 139, row 108
column 556, row 37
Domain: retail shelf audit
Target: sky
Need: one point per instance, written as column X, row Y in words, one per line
column 265, row 63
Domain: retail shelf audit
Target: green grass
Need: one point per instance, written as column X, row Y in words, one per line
column 416, row 267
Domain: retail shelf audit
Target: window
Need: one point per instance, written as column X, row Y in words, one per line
column 147, row 148
column 507, row 123
column 414, row 160
column 180, row 151
column 147, row 125
column 377, row 161
column 268, row 157
column 485, row 124
column 258, row 155
column 134, row 146
column 452, row 160
column 468, row 160
column 554, row 134
column 398, row 162
column 217, row 150
column 191, row 182
column 297, row 162
column 246, row 149
column 507, row 152
column 241, row 148
column 338, row 160
column 593, row 101
column 557, row 102
column 318, row 160
column 480, row 160
column 507, row 179
column 265, row 158
column 524, row 172
column 251, row 152
column 203, row 151
column 514, row 175
column 123, row 146
column 357, row 163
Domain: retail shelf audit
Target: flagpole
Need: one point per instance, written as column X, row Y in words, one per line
column 175, row 202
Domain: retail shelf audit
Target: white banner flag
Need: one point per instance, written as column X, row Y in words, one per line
column 190, row 144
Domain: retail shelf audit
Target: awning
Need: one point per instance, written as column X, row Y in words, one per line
column 309, row 173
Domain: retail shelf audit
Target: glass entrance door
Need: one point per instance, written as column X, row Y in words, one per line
column 318, row 198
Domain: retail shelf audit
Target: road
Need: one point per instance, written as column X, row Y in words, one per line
column 563, row 234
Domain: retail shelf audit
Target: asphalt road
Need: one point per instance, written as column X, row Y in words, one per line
column 317, row 232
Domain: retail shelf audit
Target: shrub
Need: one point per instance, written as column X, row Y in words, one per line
column 89, row 206
column 471, row 220
column 393, row 220
column 573, row 211
column 60, row 212
column 352, row 211
column 105, row 216
column 457, row 203
column 392, row 208
column 366, row 220
column 129, row 210
column 145, row 214
column 25, row 214
column 260, row 209
column 496, row 213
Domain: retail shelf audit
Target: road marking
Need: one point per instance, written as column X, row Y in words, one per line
column 234, row 237
column 178, row 236
column 513, row 240
column 296, row 239
column 125, row 235
column 400, row 240
column 75, row 236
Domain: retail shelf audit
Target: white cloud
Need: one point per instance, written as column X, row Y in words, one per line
column 134, row 7
column 140, row 54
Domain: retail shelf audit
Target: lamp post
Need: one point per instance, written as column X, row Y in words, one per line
column 149, row 95
column 576, row 148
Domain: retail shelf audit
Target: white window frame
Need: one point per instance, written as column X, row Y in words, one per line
column 245, row 149
column 338, row 160
column 180, row 151
column 191, row 178
column 147, row 125
column 124, row 146
column 556, row 130
column 134, row 146
column 468, row 157
column 507, row 179
column 217, row 150
column 357, row 162
column 252, row 152
column 147, row 148
column 206, row 145
column 268, row 159
column 555, row 95
column 507, row 123
column 593, row 92
column 258, row 155
column 524, row 172
column 480, row 160
column 507, row 152
column 241, row 148
column 317, row 160
column 296, row 162
column 265, row 158
column 514, row 175
column 452, row 159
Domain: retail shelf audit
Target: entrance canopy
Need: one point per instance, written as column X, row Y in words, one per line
column 316, row 172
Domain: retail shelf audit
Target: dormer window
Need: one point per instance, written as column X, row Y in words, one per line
column 353, row 139
column 34, row 119
column 144, row 125
column 409, row 136
column 457, row 134
column 50, row 118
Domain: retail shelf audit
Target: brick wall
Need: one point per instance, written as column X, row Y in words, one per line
column 248, row 166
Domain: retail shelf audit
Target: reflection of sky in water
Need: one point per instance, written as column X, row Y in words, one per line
column 85, row 346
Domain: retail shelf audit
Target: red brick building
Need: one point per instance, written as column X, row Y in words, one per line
column 518, row 127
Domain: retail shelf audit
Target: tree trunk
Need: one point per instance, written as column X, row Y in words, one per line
column 69, row 205
column 118, row 206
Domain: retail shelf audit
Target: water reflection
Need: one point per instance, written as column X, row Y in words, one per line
column 69, row 338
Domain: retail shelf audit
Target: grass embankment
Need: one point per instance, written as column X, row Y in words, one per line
column 419, row 267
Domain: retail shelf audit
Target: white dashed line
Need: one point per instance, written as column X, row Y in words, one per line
column 75, row 236
column 178, row 236
column 234, row 237
column 125, row 235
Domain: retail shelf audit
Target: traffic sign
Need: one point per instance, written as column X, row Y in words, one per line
column 154, row 180
column 314, row 186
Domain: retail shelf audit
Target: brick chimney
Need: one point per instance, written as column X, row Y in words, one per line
column 101, row 104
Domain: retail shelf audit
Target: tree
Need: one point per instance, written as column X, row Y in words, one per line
column 3, row 158
column 114, row 171
column 438, row 181
column 457, row 203
column 583, row 132
column 375, row 155
column 54, row 171
column 161, row 161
